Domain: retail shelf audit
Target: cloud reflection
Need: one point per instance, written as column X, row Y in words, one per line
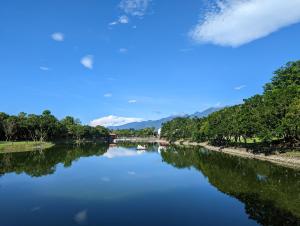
column 81, row 217
column 121, row 152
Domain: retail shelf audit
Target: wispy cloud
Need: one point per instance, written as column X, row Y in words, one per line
column 122, row 20
column 135, row 7
column 113, row 120
column 237, row 22
column 132, row 101
column 58, row 36
column 132, row 8
column 43, row 68
column 107, row 95
column 123, row 50
column 87, row 61
column 240, row 87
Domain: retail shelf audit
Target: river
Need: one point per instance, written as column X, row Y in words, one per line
column 118, row 185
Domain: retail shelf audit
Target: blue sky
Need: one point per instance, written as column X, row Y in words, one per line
column 140, row 59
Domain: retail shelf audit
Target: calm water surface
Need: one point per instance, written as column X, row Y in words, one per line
column 100, row 185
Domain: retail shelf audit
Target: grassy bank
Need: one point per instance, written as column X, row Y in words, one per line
column 21, row 146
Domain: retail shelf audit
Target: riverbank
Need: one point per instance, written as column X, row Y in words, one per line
column 23, row 146
column 289, row 159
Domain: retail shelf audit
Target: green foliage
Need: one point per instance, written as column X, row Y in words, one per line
column 46, row 127
column 274, row 115
column 146, row 132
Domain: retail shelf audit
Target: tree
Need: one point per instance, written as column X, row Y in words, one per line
column 10, row 127
column 273, row 115
column 3, row 117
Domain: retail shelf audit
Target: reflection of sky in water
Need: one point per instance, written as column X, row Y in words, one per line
column 121, row 184
column 116, row 175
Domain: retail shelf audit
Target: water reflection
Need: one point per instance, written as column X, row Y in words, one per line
column 120, row 176
column 271, row 194
column 116, row 152
column 40, row 163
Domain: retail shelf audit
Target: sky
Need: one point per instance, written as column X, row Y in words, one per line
column 120, row 61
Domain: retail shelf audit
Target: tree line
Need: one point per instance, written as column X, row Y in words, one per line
column 46, row 127
column 145, row 132
column 273, row 116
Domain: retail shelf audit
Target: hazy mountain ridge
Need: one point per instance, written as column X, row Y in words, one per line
column 158, row 123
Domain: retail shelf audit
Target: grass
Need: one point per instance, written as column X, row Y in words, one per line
column 22, row 146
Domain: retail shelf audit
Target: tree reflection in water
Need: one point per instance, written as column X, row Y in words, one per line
column 271, row 193
column 40, row 163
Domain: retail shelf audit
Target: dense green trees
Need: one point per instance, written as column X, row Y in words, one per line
column 273, row 115
column 46, row 127
column 146, row 132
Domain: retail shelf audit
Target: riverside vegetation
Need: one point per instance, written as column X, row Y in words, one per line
column 31, row 131
column 263, row 123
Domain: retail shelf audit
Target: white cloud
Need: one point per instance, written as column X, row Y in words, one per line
column 135, row 7
column 107, row 95
column 81, row 217
column 123, row 50
column 58, row 36
column 113, row 23
column 237, row 22
column 131, row 8
column 113, row 120
column 43, row 68
column 87, row 61
column 239, row 87
column 122, row 20
column 132, row 101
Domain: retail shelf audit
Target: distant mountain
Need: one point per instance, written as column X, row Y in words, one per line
column 205, row 112
column 158, row 123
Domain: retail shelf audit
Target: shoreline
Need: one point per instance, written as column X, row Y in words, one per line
column 279, row 159
column 23, row 146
